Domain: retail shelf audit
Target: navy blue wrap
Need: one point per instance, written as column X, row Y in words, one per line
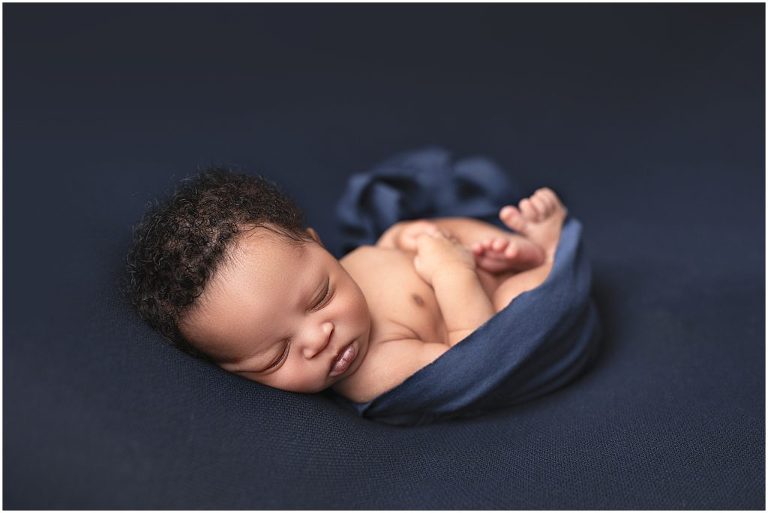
column 421, row 184
column 539, row 342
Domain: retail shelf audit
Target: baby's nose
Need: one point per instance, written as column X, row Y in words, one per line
column 319, row 341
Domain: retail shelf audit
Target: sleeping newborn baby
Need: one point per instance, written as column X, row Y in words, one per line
column 226, row 270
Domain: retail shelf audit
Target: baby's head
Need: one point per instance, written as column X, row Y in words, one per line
column 226, row 271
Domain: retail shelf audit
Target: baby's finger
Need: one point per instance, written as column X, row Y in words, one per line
column 438, row 234
column 448, row 234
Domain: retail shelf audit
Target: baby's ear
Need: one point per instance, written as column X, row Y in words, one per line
column 312, row 233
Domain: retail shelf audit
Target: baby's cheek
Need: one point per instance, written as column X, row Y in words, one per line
column 351, row 298
column 297, row 378
column 360, row 309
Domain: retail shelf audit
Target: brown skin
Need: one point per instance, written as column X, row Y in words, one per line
column 402, row 303
column 277, row 302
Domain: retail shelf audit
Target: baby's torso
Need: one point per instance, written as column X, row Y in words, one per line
column 402, row 306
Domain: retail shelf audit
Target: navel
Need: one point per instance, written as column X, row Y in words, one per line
column 417, row 299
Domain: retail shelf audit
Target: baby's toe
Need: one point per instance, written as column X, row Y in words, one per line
column 552, row 197
column 512, row 218
column 541, row 205
column 545, row 198
column 530, row 213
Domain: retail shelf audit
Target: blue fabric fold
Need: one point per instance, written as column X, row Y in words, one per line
column 542, row 340
column 420, row 184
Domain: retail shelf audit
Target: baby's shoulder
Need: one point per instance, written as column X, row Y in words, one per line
column 365, row 257
column 369, row 251
column 388, row 364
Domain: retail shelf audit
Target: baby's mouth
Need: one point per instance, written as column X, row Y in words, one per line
column 344, row 359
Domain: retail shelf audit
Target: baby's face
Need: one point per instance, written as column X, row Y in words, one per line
column 286, row 315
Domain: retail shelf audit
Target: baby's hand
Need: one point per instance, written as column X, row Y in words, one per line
column 406, row 238
column 439, row 252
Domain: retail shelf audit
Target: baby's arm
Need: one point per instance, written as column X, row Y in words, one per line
column 403, row 234
column 496, row 251
column 450, row 269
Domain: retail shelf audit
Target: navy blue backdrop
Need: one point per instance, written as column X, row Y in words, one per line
column 648, row 119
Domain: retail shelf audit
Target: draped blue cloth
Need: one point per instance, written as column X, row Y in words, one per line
column 542, row 340
column 421, row 184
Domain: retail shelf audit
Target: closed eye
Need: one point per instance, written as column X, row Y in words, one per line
column 280, row 358
column 325, row 298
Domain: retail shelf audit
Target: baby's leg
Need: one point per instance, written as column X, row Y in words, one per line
column 518, row 283
column 507, row 252
column 496, row 251
column 540, row 218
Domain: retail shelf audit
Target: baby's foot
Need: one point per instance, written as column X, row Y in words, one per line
column 539, row 218
column 507, row 253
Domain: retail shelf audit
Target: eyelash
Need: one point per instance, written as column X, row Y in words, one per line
column 326, row 299
column 284, row 355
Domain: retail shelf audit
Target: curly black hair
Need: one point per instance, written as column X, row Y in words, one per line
column 180, row 242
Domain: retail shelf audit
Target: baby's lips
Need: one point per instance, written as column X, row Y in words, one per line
column 344, row 360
